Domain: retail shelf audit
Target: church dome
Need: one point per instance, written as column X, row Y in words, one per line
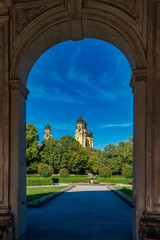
column 47, row 127
column 80, row 120
column 88, row 132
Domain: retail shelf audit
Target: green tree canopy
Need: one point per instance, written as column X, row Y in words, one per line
column 116, row 157
column 32, row 148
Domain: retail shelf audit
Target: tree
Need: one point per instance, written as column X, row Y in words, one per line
column 58, row 153
column 49, row 151
column 126, row 151
column 116, row 157
column 32, row 148
column 78, row 161
column 69, row 142
column 93, row 160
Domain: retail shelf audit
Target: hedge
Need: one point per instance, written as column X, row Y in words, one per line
column 39, row 181
column 114, row 180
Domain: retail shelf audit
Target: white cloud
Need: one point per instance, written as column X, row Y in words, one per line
column 78, row 76
column 55, row 77
column 117, row 125
column 54, row 125
column 75, row 55
column 64, row 126
column 53, row 94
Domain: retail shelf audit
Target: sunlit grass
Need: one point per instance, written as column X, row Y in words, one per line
column 38, row 192
column 126, row 190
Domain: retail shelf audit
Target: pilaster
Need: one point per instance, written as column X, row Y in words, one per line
column 150, row 222
column 18, row 96
column 5, row 216
column 138, row 84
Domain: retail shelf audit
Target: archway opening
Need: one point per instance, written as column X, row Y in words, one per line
column 90, row 77
column 28, row 49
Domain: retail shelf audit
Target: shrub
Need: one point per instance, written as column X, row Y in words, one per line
column 127, row 171
column 45, row 170
column 74, row 181
column 105, row 172
column 63, row 172
column 39, row 181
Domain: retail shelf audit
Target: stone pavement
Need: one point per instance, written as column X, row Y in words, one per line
column 83, row 213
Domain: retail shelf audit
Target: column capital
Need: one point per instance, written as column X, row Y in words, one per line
column 138, row 75
column 17, row 85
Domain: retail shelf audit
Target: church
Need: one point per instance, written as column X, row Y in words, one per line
column 47, row 132
column 83, row 134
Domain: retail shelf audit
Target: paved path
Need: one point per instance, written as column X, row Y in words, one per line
column 83, row 213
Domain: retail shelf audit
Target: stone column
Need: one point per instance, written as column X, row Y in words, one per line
column 18, row 96
column 138, row 84
column 5, row 216
column 150, row 223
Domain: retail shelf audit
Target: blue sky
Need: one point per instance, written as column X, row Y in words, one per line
column 89, row 77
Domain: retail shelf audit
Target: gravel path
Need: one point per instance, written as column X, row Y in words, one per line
column 83, row 213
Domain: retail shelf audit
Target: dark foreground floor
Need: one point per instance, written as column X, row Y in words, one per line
column 83, row 213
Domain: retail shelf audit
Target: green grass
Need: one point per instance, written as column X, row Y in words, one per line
column 36, row 193
column 79, row 178
column 126, row 190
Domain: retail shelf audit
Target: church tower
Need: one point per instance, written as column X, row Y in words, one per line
column 83, row 134
column 47, row 132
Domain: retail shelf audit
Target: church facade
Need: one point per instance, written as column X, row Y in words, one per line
column 83, row 134
column 47, row 132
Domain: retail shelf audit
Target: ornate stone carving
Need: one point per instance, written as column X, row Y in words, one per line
column 128, row 5
column 26, row 15
column 7, row 3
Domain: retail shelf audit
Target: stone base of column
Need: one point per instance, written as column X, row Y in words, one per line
column 6, row 226
column 150, row 227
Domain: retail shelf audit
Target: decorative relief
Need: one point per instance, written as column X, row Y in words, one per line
column 26, row 15
column 128, row 5
column 6, row 4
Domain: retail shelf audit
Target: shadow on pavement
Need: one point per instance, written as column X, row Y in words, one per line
column 81, row 215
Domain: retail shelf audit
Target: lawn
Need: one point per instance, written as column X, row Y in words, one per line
column 126, row 190
column 38, row 192
column 33, row 180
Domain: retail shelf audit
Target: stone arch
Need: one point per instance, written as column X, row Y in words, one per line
column 73, row 22
column 27, row 29
column 46, row 31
